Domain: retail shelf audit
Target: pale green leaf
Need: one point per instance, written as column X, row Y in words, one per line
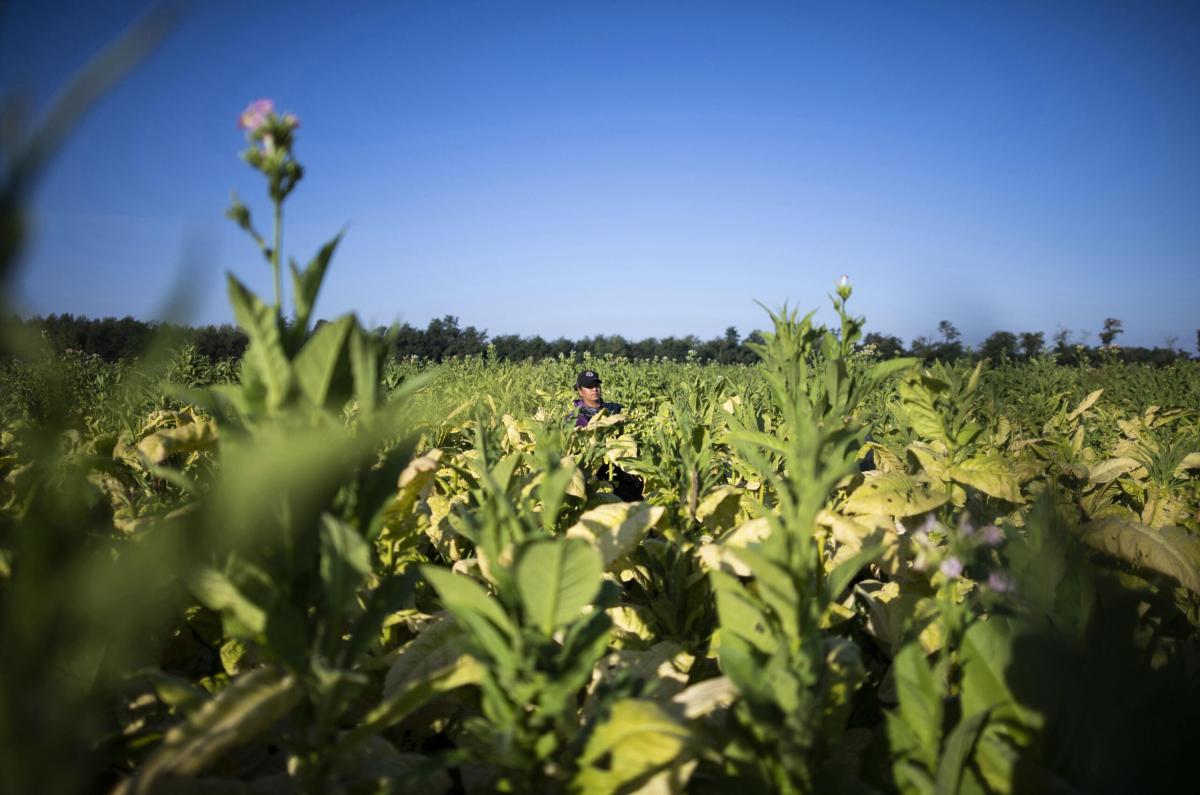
column 322, row 367
column 307, row 283
column 264, row 353
column 556, row 579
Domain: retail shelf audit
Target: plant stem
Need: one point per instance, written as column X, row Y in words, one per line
column 277, row 258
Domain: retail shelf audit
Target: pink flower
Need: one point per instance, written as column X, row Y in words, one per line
column 951, row 567
column 998, row 582
column 255, row 115
column 991, row 535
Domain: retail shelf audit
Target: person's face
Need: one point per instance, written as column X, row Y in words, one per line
column 590, row 394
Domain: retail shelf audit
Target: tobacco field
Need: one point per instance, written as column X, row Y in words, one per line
column 322, row 570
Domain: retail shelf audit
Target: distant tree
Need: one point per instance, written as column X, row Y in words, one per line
column 1032, row 343
column 510, row 346
column 950, row 347
column 887, row 345
column 999, row 346
column 924, row 348
column 1112, row 328
column 1062, row 341
column 444, row 338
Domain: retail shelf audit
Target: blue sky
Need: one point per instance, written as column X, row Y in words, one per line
column 643, row 168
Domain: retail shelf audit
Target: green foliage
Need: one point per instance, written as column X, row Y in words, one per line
column 323, row 569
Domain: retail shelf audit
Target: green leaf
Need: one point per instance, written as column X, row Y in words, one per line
column 739, row 615
column 345, row 561
column 933, row 460
column 1172, row 551
column 557, row 578
column 392, row 594
column 437, row 646
column 884, row 370
column 478, row 613
column 616, row 529
column 401, row 702
column 841, row 576
column 775, row 585
column 250, row 705
column 364, row 365
column 322, row 368
column 920, row 700
column 991, row 474
column 307, row 283
column 918, row 401
column 265, row 354
column 217, row 592
column 957, row 753
column 894, row 494
column 986, row 655
column 638, row 740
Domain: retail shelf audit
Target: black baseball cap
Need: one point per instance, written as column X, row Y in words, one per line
column 587, row 378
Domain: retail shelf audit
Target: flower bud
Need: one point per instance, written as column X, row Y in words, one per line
column 843, row 287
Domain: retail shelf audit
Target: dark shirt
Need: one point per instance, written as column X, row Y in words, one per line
column 583, row 415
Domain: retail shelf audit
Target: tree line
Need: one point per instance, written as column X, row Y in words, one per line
column 113, row 339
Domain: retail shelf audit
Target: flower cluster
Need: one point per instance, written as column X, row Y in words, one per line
column 271, row 137
column 953, row 550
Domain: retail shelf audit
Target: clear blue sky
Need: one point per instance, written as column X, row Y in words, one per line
column 643, row 168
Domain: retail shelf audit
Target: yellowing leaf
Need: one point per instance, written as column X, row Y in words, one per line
column 1189, row 462
column 1111, row 469
column 416, row 479
column 194, row 436
column 894, row 494
column 639, row 739
column 1172, row 551
column 989, row 473
column 718, row 510
column 617, row 528
column 1085, row 404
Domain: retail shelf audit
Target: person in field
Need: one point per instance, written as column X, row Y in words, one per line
column 590, row 399
column 589, row 403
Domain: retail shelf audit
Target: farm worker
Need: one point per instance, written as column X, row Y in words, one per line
column 626, row 486
column 590, row 401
